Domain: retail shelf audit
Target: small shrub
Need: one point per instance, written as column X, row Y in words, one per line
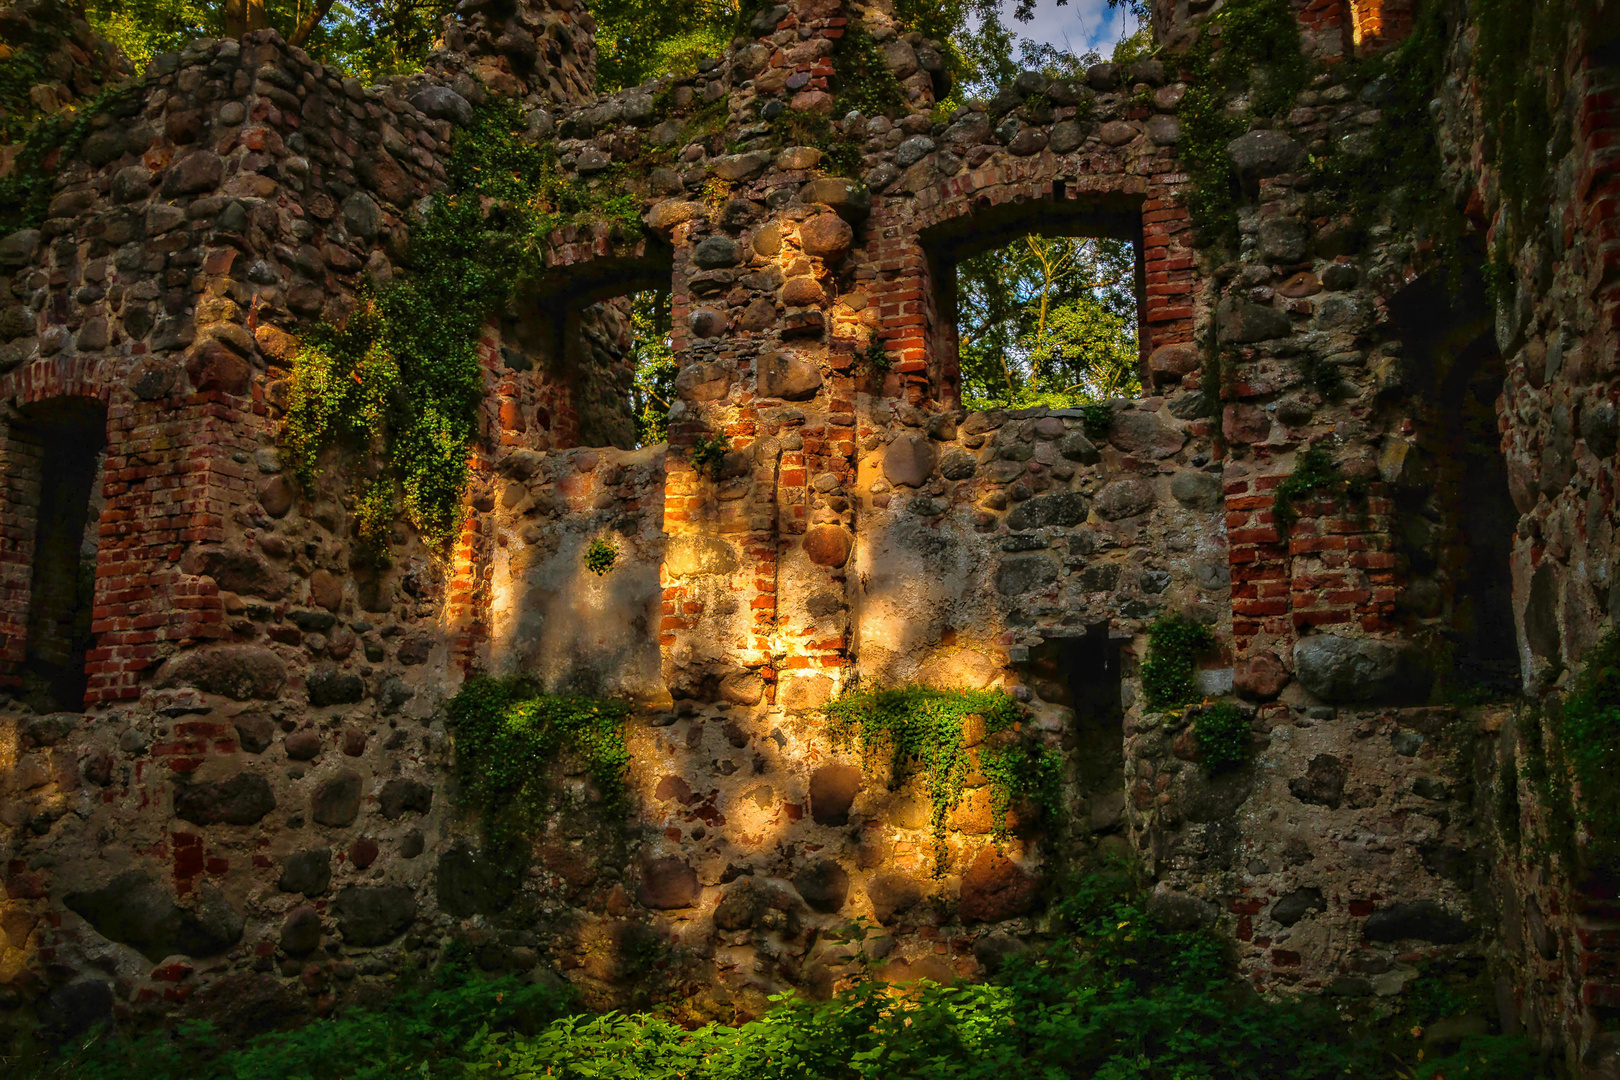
column 600, row 556
column 1170, row 672
column 1222, row 732
column 709, row 454
column 1097, row 418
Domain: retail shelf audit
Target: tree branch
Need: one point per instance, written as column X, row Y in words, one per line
column 311, row 21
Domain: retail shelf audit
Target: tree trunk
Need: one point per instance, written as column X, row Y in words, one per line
column 311, row 21
column 242, row 16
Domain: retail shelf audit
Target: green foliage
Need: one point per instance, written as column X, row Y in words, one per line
column 637, row 40
column 1244, row 41
column 25, row 192
column 509, row 735
column 921, row 731
column 374, row 514
column 1321, row 375
column 876, row 355
column 1047, row 321
column 865, row 83
column 404, row 366
column 1314, row 474
column 1588, row 728
column 1222, row 733
column 1170, row 671
column 1097, row 418
column 654, row 358
column 600, row 556
column 708, row 454
column 423, row 1032
column 841, row 151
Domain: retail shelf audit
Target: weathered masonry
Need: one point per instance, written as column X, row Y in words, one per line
column 1377, row 474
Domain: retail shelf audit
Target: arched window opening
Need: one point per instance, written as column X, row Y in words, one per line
column 54, row 454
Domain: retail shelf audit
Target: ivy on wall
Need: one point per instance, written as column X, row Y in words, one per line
column 1170, row 672
column 403, row 370
column 924, row 731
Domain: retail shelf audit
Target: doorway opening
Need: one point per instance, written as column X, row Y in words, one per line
column 1081, row 674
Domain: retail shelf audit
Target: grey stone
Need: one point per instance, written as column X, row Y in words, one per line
column 1541, row 629
column 308, row 872
column 1179, row 912
column 1323, row 782
column 362, row 216
column 736, row 167
column 18, row 248
column 958, row 465
column 787, row 377
column 244, row 799
column 1243, row 323
column 1285, row 240
column 1343, row 670
column 1265, row 153
column 1296, row 905
column 134, row 910
column 399, row 797
column 239, row 672
column 1019, row 574
column 1060, row 510
column 301, row 930
column 443, row 103
column 368, row 916
column 331, row 685
column 715, row 252
column 1125, row 498
column 1196, row 490
column 1423, row 920
column 913, row 150
column 336, row 799
column 824, row 886
column 909, row 460
column 1076, row 447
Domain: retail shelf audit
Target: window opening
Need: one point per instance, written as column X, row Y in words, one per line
column 66, row 437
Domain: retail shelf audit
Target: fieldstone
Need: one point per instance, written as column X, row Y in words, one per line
column 742, row 688
column 235, row 570
column 824, row 886
column 1076, row 447
column 832, row 792
column 254, row 732
column 850, row 199
column 1118, row 133
column 443, row 103
column 81, row 1006
column 301, row 930
column 1423, row 920
column 331, row 685
column 198, row 171
column 1296, row 905
column 784, row 376
column 691, row 556
column 302, row 745
column 670, row 213
column 1323, row 782
column 1103, row 77
column 768, row 18
column 1344, row 671
column 715, row 253
column 308, row 872
column 741, row 907
column 1043, row 511
column 213, row 367
column 336, row 799
column 892, row 895
column 244, row 799
column 134, row 910
column 1242, row 423
column 371, row 915
column 1019, row 574
column 362, row 216
column 1541, row 630
column 239, row 672
column 399, row 797
column 736, row 167
column 958, row 465
column 706, row 322
column 326, row 589
column 1285, row 240
column 1125, row 498
column 703, row 381
column 1143, row 433
column 668, row 883
column 1244, row 323
column 1196, row 490
column 827, row 545
column 759, row 315
column 995, row 888
column 472, row 883
column 363, row 852
column 1265, row 153
column 1178, row 912
column 972, row 130
column 909, row 460
column 913, row 150
column 18, row 248
column 827, row 237
column 1260, row 677
column 803, row 292
column 153, row 378
column 1164, row 130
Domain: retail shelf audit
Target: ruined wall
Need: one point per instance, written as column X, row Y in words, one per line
column 264, row 757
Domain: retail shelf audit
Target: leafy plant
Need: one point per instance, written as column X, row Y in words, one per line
column 1588, row 728
column 1314, row 473
column 921, row 730
column 1222, row 733
column 1170, row 671
column 708, row 454
column 600, row 556
column 876, row 355
column 508, row 735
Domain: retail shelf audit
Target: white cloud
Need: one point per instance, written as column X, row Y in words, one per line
column 1079, row 25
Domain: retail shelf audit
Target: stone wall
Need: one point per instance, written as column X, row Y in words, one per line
column 263, row 757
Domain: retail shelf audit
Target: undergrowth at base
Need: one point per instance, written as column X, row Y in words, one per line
column 925, row 732
column 1170, row 671
column 509, row 736
column 1112, row 995
column 403, row 370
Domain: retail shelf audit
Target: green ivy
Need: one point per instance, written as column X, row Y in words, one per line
column 1222, row 733
column 708, row 454
column 863, row 81
column 404, row 366
column 600, row 556
column 920, row 729
column 509, row 736
column 1314, row 474
column 1170, row 672
column 1588, row 728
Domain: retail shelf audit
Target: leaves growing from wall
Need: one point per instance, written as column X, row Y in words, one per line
column 1170, row 672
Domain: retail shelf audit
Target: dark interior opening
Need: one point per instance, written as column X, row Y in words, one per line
column 1083, row 674
column 67, row 435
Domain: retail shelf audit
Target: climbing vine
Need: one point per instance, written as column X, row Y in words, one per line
column 403, row 370
column 1314, row 473
column 922, row 732
column 1170, row 672
column 509, row 737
